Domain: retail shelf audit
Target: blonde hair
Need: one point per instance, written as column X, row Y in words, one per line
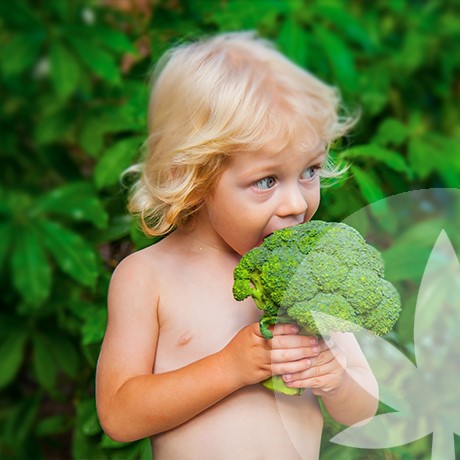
column 228, row 93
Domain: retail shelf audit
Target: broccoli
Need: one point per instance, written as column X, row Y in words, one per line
column 317, row 266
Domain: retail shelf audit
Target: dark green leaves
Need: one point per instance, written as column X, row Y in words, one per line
column 97, row 60
column 30, row 266
column 119, row 157
column 12, row 351
column 76, row 201
column 72, row 254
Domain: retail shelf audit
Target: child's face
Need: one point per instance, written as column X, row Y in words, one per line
column 260, row 192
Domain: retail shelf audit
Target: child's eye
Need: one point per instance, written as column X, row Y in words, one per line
column 265, row 183
column 310, row 172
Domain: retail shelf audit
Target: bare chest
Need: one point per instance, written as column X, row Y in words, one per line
column 199, row 316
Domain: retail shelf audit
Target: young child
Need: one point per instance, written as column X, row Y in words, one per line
column 238, row 140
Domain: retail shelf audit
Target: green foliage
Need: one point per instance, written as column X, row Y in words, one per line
column 73, row 78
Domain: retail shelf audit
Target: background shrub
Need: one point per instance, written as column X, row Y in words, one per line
column 73, row 115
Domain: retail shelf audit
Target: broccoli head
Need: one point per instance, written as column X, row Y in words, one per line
column 317, row 266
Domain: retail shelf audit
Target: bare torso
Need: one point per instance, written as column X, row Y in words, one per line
column 198, row 316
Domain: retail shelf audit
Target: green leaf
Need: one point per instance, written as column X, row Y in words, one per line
column 404, row 261
column 390, row 158
column 30, row 266
column 292, row 41
column 112, row 39
column 51, row 128
column 11, row 351
column 19, row 15
column 117, row 159
column 73, row 255
column 98, row 60
column 391, row 132
column 76, row 200
column 65, row 69
column 113, row 120
column 43, row 362
column 423, row 157
column 340, row 58
column 435, row 153
column 368, row 185
column 344, row 21
column 88, row 418
column 145, row 449
column 94, row 328
column 6, row 235
column 22, row 52
column 53, row 425
column 21, row 419
column 108, row 443
column 65, row 354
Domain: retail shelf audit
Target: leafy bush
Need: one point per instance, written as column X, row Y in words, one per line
column 73, row 78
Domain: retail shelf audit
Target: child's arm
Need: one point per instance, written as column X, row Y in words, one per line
column 134, row 403
column 343, row 379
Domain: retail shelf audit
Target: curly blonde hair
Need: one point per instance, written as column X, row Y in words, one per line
column 233, row 92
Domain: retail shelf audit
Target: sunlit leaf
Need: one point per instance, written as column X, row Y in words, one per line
column 375, row 152
column 391, row 132
column 369, row 187
column 292, row 40
column 344, row 21
column 339, row 56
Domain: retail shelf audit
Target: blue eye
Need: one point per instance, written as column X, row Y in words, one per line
column 266, row 183
column 310, row 172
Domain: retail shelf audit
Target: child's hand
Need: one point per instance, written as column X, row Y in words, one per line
column 325, row 374
column 254, row 358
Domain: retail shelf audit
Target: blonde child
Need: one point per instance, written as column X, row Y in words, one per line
column 238, row 140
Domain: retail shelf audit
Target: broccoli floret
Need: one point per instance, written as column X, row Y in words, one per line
column 317, row 266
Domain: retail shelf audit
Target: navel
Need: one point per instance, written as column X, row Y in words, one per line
column 185, row 338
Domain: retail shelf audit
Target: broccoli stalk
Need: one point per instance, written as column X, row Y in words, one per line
column 322, row 267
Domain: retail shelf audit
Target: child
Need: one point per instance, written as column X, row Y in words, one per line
column 238, row 141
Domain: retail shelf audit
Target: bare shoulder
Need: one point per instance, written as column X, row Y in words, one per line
column 132, row 328
column 140, row 273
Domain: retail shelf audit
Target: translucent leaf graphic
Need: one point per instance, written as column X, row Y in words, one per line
column 424, row 395
column 383, row 431
column 391, row 368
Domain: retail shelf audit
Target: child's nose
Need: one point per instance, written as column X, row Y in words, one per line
column 293, row 202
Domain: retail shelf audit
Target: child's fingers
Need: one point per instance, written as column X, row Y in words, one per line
column 287, row 337
column 293, row 352
column 325, row 372
column 296, row 367
column 284, row 329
